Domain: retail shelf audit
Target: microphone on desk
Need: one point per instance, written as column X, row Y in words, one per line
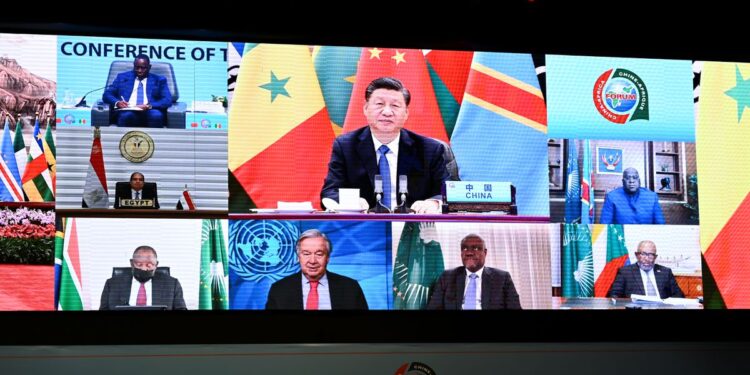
column 403, row 190
column 378, row 187
column 379, row 206
column 82, row 103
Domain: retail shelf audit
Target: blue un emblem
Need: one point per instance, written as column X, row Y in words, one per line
column 262, row 248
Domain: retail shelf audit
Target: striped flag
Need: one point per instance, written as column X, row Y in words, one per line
column 723, row 133
column 279, row 122
column 19, row 146
column 408, row 66
column 59, row 248
column 449, row 72
column 185, row 201
column 36, row 179
column 95, row 194
column 617, row 256
column 587, row 186
column 71, row 287
column 10, row 181
column 501, row 131
column 50, row 152
column 573, row 202
column 336, row 68
column 214, row 278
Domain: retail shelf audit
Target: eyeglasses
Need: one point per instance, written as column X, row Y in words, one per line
column 473, row 248
column 647, row 255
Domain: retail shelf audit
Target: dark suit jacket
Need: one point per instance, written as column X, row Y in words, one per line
column 122, row 190
column 498, row 291
column 157, row 90
column 354, row 164
column 346, row 294
column 628, row 281
column 166, row 291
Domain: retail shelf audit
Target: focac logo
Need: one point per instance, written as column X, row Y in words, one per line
column 621, row 96
column 415, row 368
column 263, row 249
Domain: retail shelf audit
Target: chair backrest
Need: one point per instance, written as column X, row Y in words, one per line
column 126, row 185
column 117, row 271
column 450, row 161
column 163, row 69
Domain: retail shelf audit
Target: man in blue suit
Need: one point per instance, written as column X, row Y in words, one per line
column 384, row 148
column 631, row 204
column 140, row 97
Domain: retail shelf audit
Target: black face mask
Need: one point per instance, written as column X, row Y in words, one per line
column 143, row 275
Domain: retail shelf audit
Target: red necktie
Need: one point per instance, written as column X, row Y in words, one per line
column 312, row 297
column 141, row 300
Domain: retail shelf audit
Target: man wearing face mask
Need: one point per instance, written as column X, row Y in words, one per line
column 474, row 286
column 645, row 277
column 144, row 286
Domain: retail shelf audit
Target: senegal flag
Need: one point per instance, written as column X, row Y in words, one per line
column 723, row 136
column 280, row 139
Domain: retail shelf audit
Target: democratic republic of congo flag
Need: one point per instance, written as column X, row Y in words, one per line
column 501, row 131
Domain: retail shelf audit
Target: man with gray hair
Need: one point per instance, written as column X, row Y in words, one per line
column 645, row 277
column 314, row 287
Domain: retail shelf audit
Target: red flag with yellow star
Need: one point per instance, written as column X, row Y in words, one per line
column 722, row 136
column 408, row 66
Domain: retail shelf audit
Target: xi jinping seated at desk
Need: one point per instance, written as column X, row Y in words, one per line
column 137, row 193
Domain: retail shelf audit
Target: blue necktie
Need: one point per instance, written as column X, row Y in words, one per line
column 139, row 97
column 470, row 298
column 385, row 171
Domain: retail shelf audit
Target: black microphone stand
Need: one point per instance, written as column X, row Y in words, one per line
column 380, row 208
column 82, row 103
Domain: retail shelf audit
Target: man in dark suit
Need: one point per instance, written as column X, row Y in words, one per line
column 143, row 287
column 384, row 148
column 640, row 278
column 138, row 189
column 315, row 288
column 474, row 286
column 142, row 98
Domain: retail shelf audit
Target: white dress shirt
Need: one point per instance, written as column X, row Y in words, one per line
column 479, row 287
column 649, row 277
column 324, row 294
column 134, row 94
column 135, row 285
column 132, row 194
